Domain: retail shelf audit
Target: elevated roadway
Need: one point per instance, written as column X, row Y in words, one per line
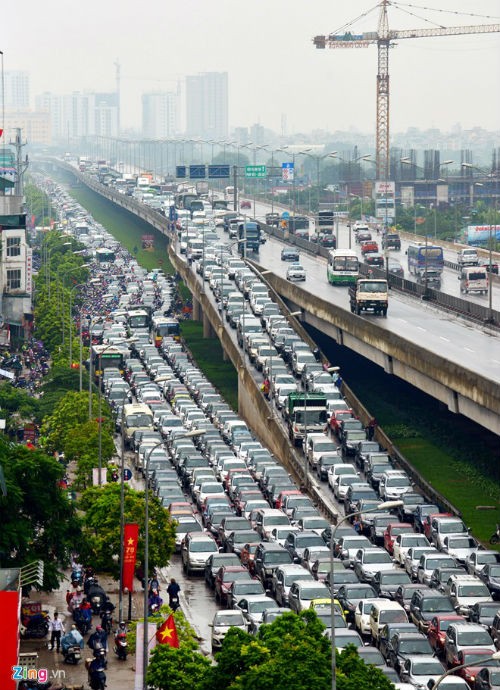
column 455, row 361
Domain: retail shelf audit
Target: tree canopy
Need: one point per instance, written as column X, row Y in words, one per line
column 38, row 521
column 101, row 528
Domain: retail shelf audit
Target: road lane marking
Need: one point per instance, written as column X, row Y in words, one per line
column 468, row 349
column 443, row 338
column 420, row 328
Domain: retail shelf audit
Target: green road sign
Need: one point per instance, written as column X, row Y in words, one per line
column 255, row 171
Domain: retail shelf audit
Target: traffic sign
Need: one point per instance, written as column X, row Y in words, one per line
column 218, row 172
column 285, row 214
column 127, row 475
column 287, row 171
column 255, row 171
column 196, row 172
column 180, row 171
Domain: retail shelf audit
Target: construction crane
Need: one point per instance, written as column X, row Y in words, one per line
column 384, row 38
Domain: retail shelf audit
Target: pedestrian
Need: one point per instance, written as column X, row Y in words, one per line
column 56, row 628
column 173, row 591
column 372, row 425
column 338, row 382
column 266, row 388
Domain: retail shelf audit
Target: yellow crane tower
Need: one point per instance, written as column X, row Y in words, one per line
column 384, row 38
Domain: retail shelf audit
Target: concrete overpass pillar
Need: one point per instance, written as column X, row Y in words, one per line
column 208, row 331
column 196, row 310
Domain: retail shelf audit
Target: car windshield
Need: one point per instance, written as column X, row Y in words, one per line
column 260, row 606
column 203, row 546
column 433, row 563
column 461, row 543
column 414, row 540
column 343, row 640
column 366, row 606
column 495, row 571
column 377, row 557
column 437, row 605
column 451, row 527
column 475, row 590
column 234, row 576
column 252, row 587
column 415, row 646
column 308, row 593
column 355, row 542
column 277, row 520
column 304, row 540
column 393, row 617
column 427, row 668
column 395, row 578
column 277, row 557
column 398, row 481
column 229, row 619
column 473, row 638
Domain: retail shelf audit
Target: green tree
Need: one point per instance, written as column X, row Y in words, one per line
column 354, row 674
column 17, row 406
column 177, row 669
column 101, row 528
column 37, row 519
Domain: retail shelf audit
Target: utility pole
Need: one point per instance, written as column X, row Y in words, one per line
column 21, row 166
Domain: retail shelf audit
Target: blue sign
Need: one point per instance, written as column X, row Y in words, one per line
column 172, row 215
column 285, row 215
column 197, row 172
column 218, row 172
column 127, row 475
column 287, row 171
column 180, row 171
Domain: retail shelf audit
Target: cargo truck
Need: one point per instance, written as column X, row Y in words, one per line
column 249, row 235
column 369, row 294
column 305, row 413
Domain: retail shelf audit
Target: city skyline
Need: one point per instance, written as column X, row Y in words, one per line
column 276, row 76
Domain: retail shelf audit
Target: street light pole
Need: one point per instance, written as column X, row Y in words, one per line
column 387, row 505
column 477, row 662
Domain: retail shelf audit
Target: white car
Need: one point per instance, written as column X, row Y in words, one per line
column 221, row 624
column 362, row 615
column 295, row 272
column 340, row 469
column 405, row 541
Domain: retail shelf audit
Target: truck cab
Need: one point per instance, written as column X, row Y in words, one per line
column 369, row 294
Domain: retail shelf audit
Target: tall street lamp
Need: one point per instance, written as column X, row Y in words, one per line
column 386, row 505
column 189, row 434
column 318, row 160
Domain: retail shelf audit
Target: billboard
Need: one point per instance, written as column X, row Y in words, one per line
column 480, row 234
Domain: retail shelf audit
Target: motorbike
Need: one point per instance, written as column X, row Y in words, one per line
column 121, row 646
column 107, row 620
column 77, row 577
column 72, row 655
column 174, row 602
column 83, row 621
column 97, row 598
column 495, row 538
column 35, row 626
column 97, row 678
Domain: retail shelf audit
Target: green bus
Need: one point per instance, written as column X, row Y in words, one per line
column 342, row 267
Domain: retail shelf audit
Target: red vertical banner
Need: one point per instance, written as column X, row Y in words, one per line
column 9, row 637
column 130, row 537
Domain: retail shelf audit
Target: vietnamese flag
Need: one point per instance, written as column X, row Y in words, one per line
column 1, row 132
column 167, row 633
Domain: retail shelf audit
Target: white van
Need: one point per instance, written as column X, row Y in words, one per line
column 474, row 279
column 467, row 257
column 384, row 612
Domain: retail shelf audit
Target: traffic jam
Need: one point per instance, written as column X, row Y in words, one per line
column 412, row 589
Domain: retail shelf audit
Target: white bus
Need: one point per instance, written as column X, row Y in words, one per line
column 342, row 267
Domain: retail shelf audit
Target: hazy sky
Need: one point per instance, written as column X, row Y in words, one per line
column 266, row 48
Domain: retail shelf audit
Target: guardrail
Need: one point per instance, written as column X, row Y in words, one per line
column 457, row 305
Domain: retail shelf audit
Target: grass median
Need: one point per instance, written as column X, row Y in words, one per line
column 207, row 353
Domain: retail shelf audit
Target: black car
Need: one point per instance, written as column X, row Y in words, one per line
column 391, row 241
column 406, row 512
column 425, row 605
column 374, row 259
column 289, row 254
column 483, row 612
column 490, row 575
column 387, row 583
column 404, row 644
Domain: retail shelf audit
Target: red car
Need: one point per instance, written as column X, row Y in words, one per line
column 436, row 632
column 245, row 204
column 226, row 575
column 369, row 246
column 469, row 656
column 392, row 531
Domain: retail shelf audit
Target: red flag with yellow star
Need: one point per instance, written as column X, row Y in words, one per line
column 167, row 633
column 130, row 537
